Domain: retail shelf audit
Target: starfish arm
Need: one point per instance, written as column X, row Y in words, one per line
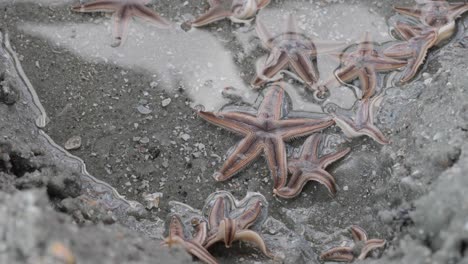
column 253, row 237
column 375, row 133
column 400, row 51
column 457, row 10
column 217, row 213
column 262, row 3
column 98, row 6
column 346, row 74
column 148, row 14
column 297, row 183
column 326, row 160
column 358, row 233
column 275, row 62
column 383, row 63
column 215, row 13
column 246, row 151
column 200, row 252
column 263, row 34
column 369, row 246
column 121, row 21
column 214, row 238
column 409, row 11
column 176, row 228
column 420, row 47
column 275, row 154
column 291, row 30
column 236, row 122
column 302, row 65
column 293, row 128
column 248, row 218
column 368, row 79
column 344, row 254
column 310, row 148
column 271, row 106
column 407, row 31
column 201, row 233
column 226, row 232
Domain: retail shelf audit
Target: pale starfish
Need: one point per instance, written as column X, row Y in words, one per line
column 226, row 229
column 291, row 49
column 364, row 63
column 363, row 123
column 177, row 237
column 309, row 167
column 438, row 13
column 418, row 42
column 264, row 132
column 362, row 247
column 234, row 9
column 123, row 11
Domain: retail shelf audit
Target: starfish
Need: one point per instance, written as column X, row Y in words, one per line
column 364, row 63
column 309, row 167
column 264, row 132
column 438, row 13
column 237, row 10
column 226, row 229
column 123, row 11
column 290, row 49
column 418, row 42
column 362, row 247
column 363, row 123
column 193, row 246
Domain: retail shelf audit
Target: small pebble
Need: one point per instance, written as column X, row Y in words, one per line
column 345, row 188
column 144, row 140
column 185, row 137
column 144, row 110
column 73, row 143
column 153, row 200
column 166, row 102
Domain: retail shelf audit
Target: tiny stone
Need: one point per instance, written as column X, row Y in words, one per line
column 426, row 75
column 185, row 137
column 428, row 81
column 166, row 102
column 144, row 140
column 144, row 110
column 152, row 200
column 345, row 188
column 154, row 84
column 73, row 143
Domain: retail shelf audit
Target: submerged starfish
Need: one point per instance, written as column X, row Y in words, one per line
column 123, row 11
column 363, row 123
column 290, row 49
column 227, row 230
column 177, row 237
column 362, row 247
column 264, row 132
column 437, row 13
column 237, row 10
column 364, row 63
column 418, row 42
column 309, row 167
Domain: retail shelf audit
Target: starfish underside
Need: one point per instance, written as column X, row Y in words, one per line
column 123, row 11
column 363, row 63
column 193, row 246
column 363, row 123
column 226, row 229
column 237, row 10
column 347, row 254
column 310, row 167
column 265, row 133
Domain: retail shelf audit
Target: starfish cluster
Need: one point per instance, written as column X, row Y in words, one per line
column 266, row 132
column 224, row 220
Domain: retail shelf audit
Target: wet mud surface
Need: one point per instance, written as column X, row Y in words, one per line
column 411, row 192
